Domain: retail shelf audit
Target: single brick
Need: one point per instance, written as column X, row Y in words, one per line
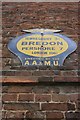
column 72, row 115
column 69, row 89
column 45, row 89
column 55, row 89
column 42, row 98
column 73, row 97
column 35, row 114
column 17, row 89
column 23, row 73
column 45, row 79
column 69, row 73
column 26, row 97
column 15, row 115
column 60, row 97
column 54, row 106
column 41, row 89
column 43, row 72
column 66, row 79
column 8, row 73
column 16, row 73
column 9, row 97
column 20, row 79
column 54, row 115
column 21, row 106
column 71, row 106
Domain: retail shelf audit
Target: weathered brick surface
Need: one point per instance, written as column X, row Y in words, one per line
column 60, row 98
column 40, row 101
column 58, row 106
column 17, row 89
column 16, row 115
column 42, row 98
column 38, row 79
column 26, row 97
column 21, row 106
column 9, row 97
column 72, row 115
column 45, row 89
column 22, row 79
column 54, row 115
column 36, row 92
column 66, row 79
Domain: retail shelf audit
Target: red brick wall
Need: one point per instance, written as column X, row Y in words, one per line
column 43, row 92
column 41, row 101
